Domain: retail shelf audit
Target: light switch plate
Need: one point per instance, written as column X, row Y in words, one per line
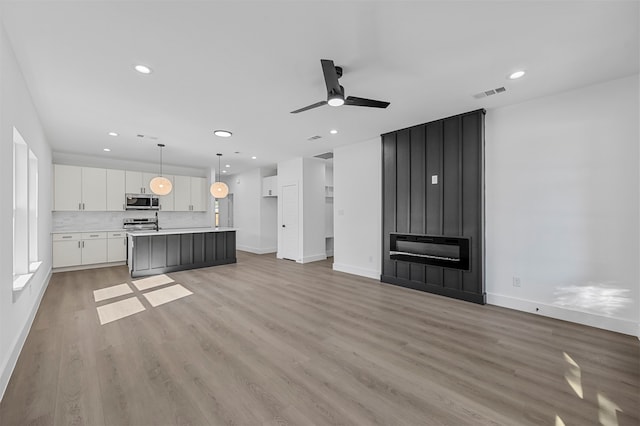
column 434, row 180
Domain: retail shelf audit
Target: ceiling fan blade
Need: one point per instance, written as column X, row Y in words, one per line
column 316, row 105
column 352, row 100
column 330, row 76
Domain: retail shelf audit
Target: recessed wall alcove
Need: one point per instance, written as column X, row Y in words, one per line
column 433, row 207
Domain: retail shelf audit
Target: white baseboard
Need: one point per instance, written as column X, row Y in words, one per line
column 355, row 270
column 329, row 253
column 618, row 325
column 314, row 258
column 16, row 348
column 81, row 267
column 255, row 250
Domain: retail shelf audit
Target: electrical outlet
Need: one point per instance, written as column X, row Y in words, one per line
column 516, row 281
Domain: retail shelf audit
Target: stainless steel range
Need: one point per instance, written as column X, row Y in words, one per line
column 144, row 223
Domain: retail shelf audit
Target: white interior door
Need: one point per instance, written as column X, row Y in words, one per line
column 289, row 246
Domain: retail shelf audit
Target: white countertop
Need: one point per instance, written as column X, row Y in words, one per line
column 146, row 232
column 76, row 231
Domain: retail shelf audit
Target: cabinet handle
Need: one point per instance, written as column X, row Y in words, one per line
column 83, row 244
column 79, row 206
column 78, row 244
column 94, row 236
column 82, row 206
column 66, row 236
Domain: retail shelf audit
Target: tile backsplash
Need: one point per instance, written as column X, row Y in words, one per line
column 96, row 221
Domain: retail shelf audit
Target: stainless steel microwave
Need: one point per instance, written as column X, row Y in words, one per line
column 142, row 202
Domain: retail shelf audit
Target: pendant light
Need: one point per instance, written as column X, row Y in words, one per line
column 219, row 189
column 160, row 185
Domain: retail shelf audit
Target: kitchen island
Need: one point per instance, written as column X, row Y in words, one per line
column 153, row 252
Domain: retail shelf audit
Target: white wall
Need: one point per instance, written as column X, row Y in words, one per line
column 17, row 309
column 562, row 190
column 357, row 199
column 246, row 189
column 253, row 214
column 269, row 218
column 313, row 183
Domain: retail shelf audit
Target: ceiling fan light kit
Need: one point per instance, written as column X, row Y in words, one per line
column 335, row 92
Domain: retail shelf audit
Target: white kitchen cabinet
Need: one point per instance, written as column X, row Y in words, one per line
column 79, row 188
column 167, row 201
column 67, row 250
column 94, row 189
column 67, row 191
column 182, row 193
column 190, row 193
column 115, row 190
column 116, row 247
column 138, row 182
column 94, row 248
column 198, row 194
column 270, row 186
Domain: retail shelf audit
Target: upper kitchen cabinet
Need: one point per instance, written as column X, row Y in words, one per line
column 79, row 188
column 138, row 182
column 167, row 202
column 270, row 186
column 199, row 194
column 115, row 190
column 190, row 193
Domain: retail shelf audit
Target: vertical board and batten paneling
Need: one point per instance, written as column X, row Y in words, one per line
column 450, row 150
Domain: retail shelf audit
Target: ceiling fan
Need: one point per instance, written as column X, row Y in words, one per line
column 335, row 92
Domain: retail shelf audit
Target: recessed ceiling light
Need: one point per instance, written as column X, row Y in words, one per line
column 107, row 150
column 113, row 134
column 333, row 131
column 516, row 75
column 143, row 69
column 254, row 157
column 222, row 133
column 227, row 165
column 224, row 171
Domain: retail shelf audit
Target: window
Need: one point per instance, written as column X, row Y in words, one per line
column 25, row 212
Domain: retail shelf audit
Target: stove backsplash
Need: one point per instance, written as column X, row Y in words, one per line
column 96, row 221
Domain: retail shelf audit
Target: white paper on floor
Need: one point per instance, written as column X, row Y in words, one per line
column 109, row 292
column 165, row 295
column 151, row 282
column 117, row 310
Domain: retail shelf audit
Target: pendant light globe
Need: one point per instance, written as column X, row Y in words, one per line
column 160, row 185
column 219, row 189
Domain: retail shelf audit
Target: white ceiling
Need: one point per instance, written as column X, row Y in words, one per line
column 244, row 66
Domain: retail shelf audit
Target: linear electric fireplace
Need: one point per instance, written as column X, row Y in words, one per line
column 448, row 252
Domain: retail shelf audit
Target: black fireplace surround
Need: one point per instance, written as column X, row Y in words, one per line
column 433, row 207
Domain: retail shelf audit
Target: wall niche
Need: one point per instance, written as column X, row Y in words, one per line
column 433, row 207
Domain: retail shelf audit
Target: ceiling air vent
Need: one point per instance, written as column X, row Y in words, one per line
column 313, row 138
column 325, row 156
column 489, row 92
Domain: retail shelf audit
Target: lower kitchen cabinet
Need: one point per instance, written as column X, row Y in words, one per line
column 67, row 250
column 116, row 247
column 88, row 248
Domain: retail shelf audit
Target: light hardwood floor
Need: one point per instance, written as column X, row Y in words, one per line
column 268, row 342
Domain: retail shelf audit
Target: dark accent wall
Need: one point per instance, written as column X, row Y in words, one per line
column 453, row 149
